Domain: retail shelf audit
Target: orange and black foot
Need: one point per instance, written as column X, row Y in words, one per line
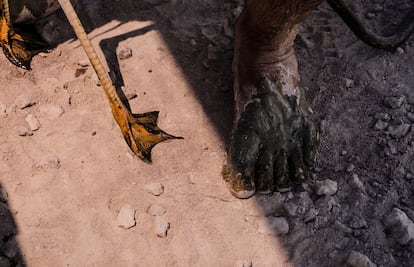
column 20, row 44
column 142, row 133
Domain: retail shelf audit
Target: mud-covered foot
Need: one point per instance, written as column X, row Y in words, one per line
column 141, row 132
column 20, row 44
column 273, row 143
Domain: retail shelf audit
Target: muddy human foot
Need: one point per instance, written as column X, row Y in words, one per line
column 274, row 136
column 273, row 143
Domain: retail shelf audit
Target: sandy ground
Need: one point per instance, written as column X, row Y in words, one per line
column 67, row 182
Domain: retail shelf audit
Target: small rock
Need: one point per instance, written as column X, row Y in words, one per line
column 344, row 153
column 350, row 168
column 51, row 111
column 126, row 217
column 83, row 63
column 326, row 187
column 155, row 188
column 399, row 131
column 271, row 225
column 50, row 161
column 349, row 82
column 161, row 226
column 24, row 101
column 321, row 221
column 357, row 259
column 156, row 210
column 402, row 228
column 125, row 53
column 33, row 122
column 341, row 245
column 380, row 125
column 356, row 183
column 24, row 131
column 382, row 116
column 130, row 96
column 400, row 50
column 394, row 101
column 342, row 227
column 410, row 116
column 358, row 223
column 310, row 215
column 370, row 15
column 243, row 263
column 325, row 203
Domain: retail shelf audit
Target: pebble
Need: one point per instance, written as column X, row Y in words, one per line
column 342, row 227
column 33, row 122
column 325, row 203
column 24, row 101
column 399, row 131
column 358, row 223
column 410, row 115
column 243, row 263
column 356, row 183
column 156, row 210
column 24, row 131
column 161, row 226
column 357, row 259
column 394, row 101
column 381, row 125
column 51, row 111
column 310, row 215
column 349, row 82
column 50, row 161
column 126, row 217
column 341, row 245
column 155, row 188
column 402, row 228
column 382, row 116
column 350, row 168
column 271, row 225
column 125, row 53
column 400, row 50
column 326, row 187
column 83, row 63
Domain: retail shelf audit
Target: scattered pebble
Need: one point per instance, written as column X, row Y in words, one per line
column 326, row 187
column 310, row 215
column 126, row 217
column 155, row 188
column 271, row 225
column 325, row 203
column 243, row 263
column 410, row 116
column 24, row 131
column 344, row 153
column 381, row 125
column 83, row 63
column 24, row 101
column 382, row 116
column 358, row 223
column 51, row 111
column 402, row 228
column 161, row 226
column 356, row 183
column 394, row 101
column 342, row 227
column 49, row 161
column 350, row 168
column 349, row 83
column 125, row 53
column 399, row 131
column 370, row 15
column 156, row 210
column 357, row 259
column 400, row 50
column 33, row 122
